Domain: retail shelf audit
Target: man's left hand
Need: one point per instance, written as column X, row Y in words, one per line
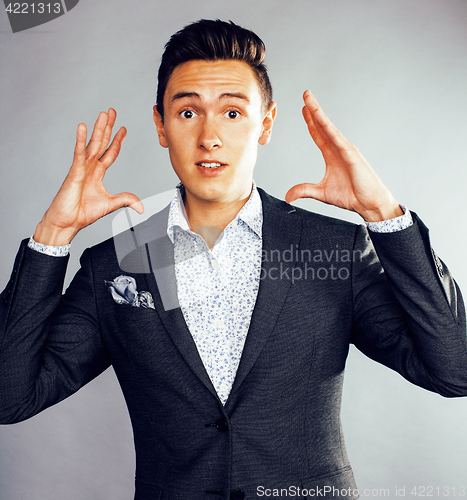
column 349, row 182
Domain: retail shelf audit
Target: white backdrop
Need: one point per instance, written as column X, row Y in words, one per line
column 391, row 75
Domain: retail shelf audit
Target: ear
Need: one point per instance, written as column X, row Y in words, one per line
column 267, row 124
column 160, row 128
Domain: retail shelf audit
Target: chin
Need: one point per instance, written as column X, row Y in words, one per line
column 213, row 195
column 207, row 193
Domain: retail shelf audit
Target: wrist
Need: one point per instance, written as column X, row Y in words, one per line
column 382, row 213
column 48, row 234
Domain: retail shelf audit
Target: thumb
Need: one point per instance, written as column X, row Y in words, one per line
column 305, row 190
column 126, row 200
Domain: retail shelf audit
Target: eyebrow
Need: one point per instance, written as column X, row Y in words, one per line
column 236, row 95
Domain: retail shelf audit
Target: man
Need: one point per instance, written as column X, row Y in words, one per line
column 234, row 382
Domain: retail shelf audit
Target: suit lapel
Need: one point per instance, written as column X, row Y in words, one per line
column 147, row 249
column 175, row 324
column 280, row 230
column 162, row 280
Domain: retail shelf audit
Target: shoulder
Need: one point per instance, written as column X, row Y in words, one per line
column 274, row 208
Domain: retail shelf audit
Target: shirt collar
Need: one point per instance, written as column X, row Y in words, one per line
column 251, row 213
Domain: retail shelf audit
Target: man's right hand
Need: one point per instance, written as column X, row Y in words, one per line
column 83, row 199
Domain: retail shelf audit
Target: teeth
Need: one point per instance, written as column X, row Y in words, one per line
column 210, row 165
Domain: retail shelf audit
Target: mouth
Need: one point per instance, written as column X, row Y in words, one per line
column 210, row 165
column 211, row 168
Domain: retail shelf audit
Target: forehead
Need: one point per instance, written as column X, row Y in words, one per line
column 211, row 79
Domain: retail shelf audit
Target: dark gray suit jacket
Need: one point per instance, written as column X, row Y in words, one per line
column 322, row 288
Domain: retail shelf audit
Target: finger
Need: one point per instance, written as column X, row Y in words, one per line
column 322, row 123
column 310, row 100
column 126, row 200
column 95, row 143
column 112, row 116
column 320, row 120
column 312, row 104
column 306, row 190
column 315, row 133
column 320, row 127
column 80, row 147
column 114, row 149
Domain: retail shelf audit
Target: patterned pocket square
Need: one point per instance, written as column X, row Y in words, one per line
column 123, row 291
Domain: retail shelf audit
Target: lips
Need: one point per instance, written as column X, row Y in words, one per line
column 210, row 168
column 210, row 164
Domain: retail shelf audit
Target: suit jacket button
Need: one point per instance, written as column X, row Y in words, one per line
column 221, row 426
column 237, row 495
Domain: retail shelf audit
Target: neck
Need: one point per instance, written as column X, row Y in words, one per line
column 210, row 218
column 216, row 214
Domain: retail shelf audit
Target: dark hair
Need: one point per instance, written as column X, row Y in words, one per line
column 213, row 40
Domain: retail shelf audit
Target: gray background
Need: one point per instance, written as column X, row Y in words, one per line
column 390, row 74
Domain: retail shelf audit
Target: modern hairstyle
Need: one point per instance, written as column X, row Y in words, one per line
column 211, row 40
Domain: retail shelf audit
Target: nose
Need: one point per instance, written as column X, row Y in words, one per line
column 209, row 138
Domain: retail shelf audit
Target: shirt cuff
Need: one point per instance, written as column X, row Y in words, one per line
column 61, row 251
column 392, row 225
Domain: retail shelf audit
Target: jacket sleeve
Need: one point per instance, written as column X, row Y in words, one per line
column 416, row 325
column 50, row 345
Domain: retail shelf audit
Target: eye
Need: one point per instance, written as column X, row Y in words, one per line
column 188, row 113
column 232, row 114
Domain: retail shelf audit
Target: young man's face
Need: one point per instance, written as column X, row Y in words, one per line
column 213, row 122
